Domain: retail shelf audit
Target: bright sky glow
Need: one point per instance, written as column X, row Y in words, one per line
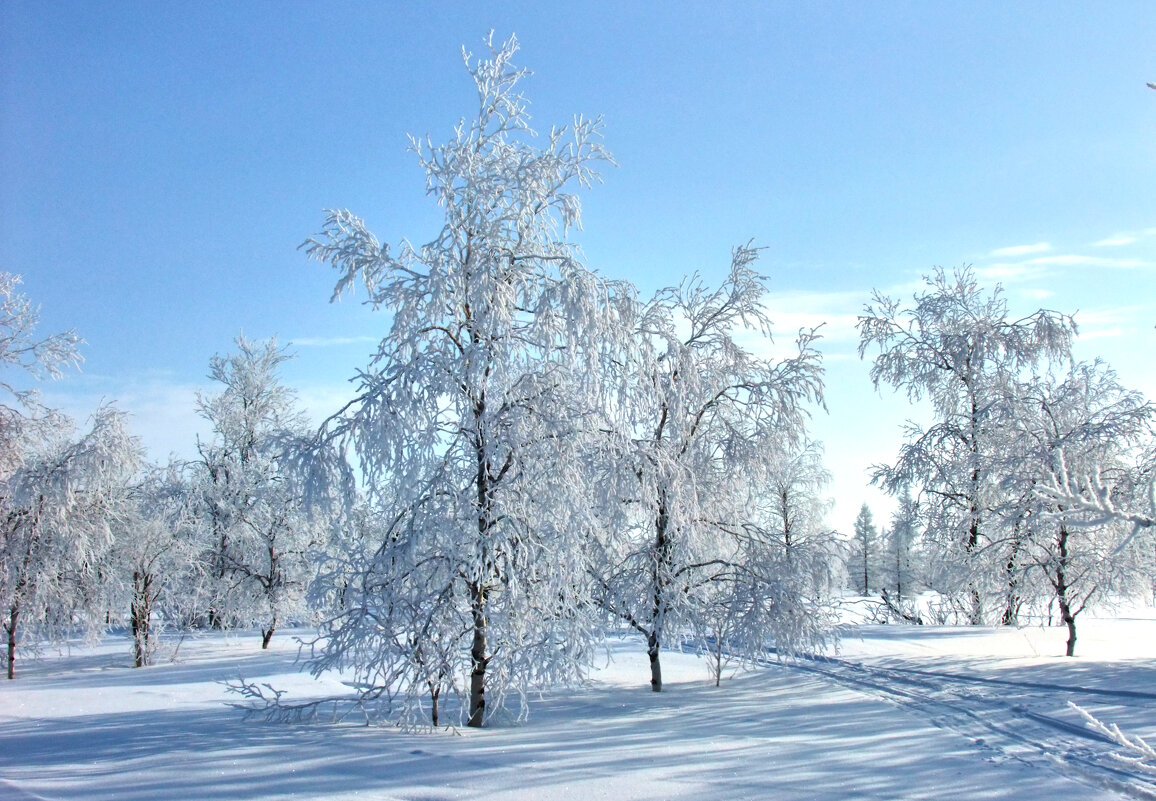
column 160, row 164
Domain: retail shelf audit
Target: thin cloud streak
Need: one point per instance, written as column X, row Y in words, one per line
column 1020, row 250
column 329, row 342
column 1124, row 238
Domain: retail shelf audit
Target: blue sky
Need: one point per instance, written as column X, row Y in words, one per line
column 160, row 164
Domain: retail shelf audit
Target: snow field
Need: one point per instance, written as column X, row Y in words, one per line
column 899, row 713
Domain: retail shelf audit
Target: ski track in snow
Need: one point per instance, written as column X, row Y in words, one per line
column 1002, row 716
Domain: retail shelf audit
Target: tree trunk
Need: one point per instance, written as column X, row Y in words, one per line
column 659, row 579
column 652, row 651
column 898, row 573
column 1012, row 603
column 267, row 634
column 139, row 614
column 718, row 657
column 1070, row 621
column 1060, row 582
column 478, row 658
column 10, row 628
column 975, row 616
column 434, row 692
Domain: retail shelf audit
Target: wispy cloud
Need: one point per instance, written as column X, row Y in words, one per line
column 1077, row 260
column 1042, row 266
column 1020, row 250
column 330, row 342
column 161, row 411
column 1124, row 238
column 1108, row 323
column 1116, row 241
column 1006, row 272
column 1036, row 293
column 1104, row 333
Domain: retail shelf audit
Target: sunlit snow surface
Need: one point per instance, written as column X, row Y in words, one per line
column 898, row 713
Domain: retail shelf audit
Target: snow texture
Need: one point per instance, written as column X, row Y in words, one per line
column 900, row 713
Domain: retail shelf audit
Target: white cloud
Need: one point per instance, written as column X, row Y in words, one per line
column 1020, row 250
column 1116, row 241
column 163, row 413
column 1036, row 293
column 1006, row 271
column 1124, row 238
column 1038, row 268
column 1076, row 260
column 1104, row 333
column 319, row 401
column 1109, row 316
column 1108, row 323
column 328, row 342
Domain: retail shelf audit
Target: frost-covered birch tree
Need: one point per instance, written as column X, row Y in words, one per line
column 958, row 347
column 258, row 528
column 24, row 420
column 795, row 504
column 1087, row 423
column 57, row 511
column 706, row 422
column 468, row 419
column 156, row 566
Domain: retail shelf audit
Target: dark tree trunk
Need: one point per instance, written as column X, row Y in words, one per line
column 898, row 573
column 1060, row 582
column 652, row 650
column 478, row 658
column 267, row 634
column 976, row 615
column 659, row 578
column 1070, row 621
column 139, row 614
column 1011, row 608
column 434, row 692
column 10, row 629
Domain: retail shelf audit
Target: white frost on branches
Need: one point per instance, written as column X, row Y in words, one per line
column 705, row 427
column 470, row 419
column 57, row 512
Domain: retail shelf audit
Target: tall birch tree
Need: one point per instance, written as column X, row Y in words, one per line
column 959, row 347
column 57, row 512
column 258, row 528
column 707, row 421
column 467, row 419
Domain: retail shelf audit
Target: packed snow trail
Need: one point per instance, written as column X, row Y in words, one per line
column 1011, row 720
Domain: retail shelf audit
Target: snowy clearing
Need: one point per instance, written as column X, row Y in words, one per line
column 899, row 713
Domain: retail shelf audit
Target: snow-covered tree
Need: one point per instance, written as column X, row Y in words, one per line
column 705, row 423
column 865, row 551
column 252, row 504
column 1085, row 424
column 24, row 421
column 469, row 419
column 157, row 559
column 57, row 511
column 1096, row 494
column 958, row 347
column 795, row 505
column 901, row 544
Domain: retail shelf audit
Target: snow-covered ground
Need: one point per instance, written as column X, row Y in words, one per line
column 898, row 713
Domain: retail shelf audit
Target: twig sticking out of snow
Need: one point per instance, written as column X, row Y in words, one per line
column 264, row 701
column 1137, row 754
